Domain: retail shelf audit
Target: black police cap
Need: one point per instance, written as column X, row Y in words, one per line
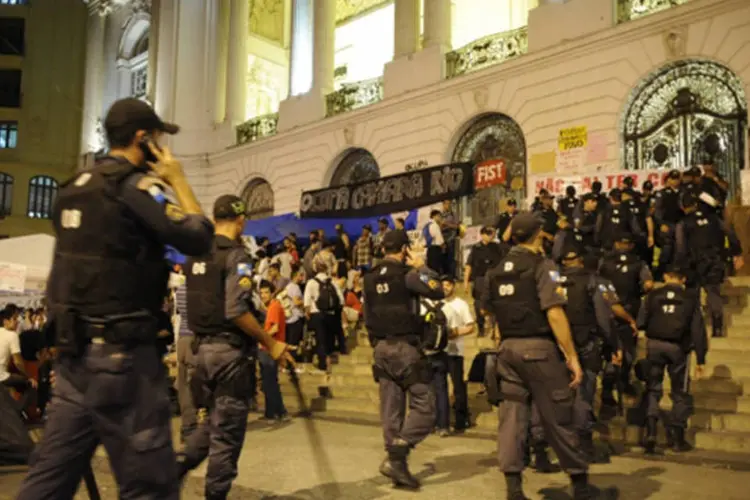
column 524, row 225
column 615, row 194
column 395, row 240
column 688, row 199
column 675, row 270
column 648, row 185
column 674, row 174
column 624, row 237
column 229, row 206
column 135, row 114
column 694, row 172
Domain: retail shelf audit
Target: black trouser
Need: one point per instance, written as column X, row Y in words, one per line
column 327, row 328
column 22, row 385
column 476, row 292
column 460, row 393
column 449, row 258
column 435, row 258
column 294, row 335
column 672, row 357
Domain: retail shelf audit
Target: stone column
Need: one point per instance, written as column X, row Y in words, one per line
column 437, row 24
column 166, row 58
column 221, row 61
column 236, row 100
column 406, row 27
column 324, row 26
column 300, row 53
column 92, row 104
column 153, row 50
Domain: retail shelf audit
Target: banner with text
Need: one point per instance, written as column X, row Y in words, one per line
column 571, row 149
column 390, row 194
column 556, row 184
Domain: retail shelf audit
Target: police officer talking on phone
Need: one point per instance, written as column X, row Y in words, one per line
column 391, row 298
column 219, row 286
column 105, row 290
column 524, row 293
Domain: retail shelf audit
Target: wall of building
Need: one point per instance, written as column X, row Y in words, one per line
column 567, row 79
column 49, row 119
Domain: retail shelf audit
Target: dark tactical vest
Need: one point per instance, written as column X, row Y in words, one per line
column 567, row 207
column 577, row 283
column 624, row 271
column 106, row 263
column 670, row 313
column 206, row 295
column 389, row 304
column 669, row 205
column 616, row 221
column 514, row 299
column 588, row 219
column 703, row 234
column 640, row 214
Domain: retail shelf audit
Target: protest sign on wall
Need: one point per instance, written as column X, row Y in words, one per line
column 12, row 277
column 610, row 179
column 571, row 149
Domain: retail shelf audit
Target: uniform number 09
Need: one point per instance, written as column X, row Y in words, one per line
column 506, row 290
column 382, row 288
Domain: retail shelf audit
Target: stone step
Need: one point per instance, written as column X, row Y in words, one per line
column 725, row 441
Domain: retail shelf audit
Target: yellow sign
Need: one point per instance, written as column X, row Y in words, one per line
column 572, row 138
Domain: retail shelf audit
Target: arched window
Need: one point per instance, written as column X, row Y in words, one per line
column 687, row 113
column 42, row 194
column 6, row 194
column 494, row 136
column 258, row 197
column 133, row 56
column 358, row 165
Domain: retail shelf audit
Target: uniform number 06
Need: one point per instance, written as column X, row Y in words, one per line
column 199, row 268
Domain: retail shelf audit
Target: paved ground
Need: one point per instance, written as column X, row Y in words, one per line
column 323, row 460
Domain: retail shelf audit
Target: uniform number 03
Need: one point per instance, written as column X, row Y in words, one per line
column 382, row 288
column 506, row 290
column 199, row 268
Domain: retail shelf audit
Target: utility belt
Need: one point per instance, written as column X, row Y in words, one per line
column 73, row 331
column 228, row 338
column 583, row 334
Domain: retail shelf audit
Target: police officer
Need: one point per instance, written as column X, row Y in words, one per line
column 503, row 220
column 105, row 290
column 667, row 213
column 567, row 236
column 615, row 219
column 524, row 294
column 647, row 195
column 219, row 283
column 549, row 219
column 699, row 243
column 391, row 300
column 713, row 191
column 631, row 277
column 483, row 257
column 671, row 317
column 691, row 181
column 567, row 205
column 644, row 223
column 585, row 221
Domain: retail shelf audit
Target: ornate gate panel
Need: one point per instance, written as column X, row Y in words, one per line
column 258, row 196
column 358, row 165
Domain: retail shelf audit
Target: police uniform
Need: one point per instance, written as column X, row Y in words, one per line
column 667, row 213
column 567, row 205
column 391, row 310
column 699, row 246
column 671, row 317
column 519, row 291
column 614, row 220
column 641, row 215
column 629, row 275
column 565, row 239
column 549, row 226
column 219, row 285
column 586, row 223
column 482, row 258
column 502, row 223
column 105, row 289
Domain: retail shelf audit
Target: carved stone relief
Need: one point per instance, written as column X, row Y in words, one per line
column 675, row 42
column 267, row 19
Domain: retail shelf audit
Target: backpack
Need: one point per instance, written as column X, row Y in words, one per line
column 328, row 299
column 435, row 332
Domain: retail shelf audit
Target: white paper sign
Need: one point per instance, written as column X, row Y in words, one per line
column 12, row 277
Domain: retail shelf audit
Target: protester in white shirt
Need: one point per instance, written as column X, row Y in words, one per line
column 10, row 349
column 292, row 300
column 326, row 324
column 460, row 323
column 433, row 236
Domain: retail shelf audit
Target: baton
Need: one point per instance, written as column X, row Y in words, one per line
column 90, row 482
column 322, row 462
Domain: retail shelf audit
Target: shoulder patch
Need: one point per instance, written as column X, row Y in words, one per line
column 602, row 288
column 433, row 284
column 554, row 276
column 244, row 269
column 174, row 213
column 82, row 179
column 246, row 283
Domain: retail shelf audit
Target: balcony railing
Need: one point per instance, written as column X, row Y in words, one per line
column 627, row 10
column 354, row 95
column 257, row 128
column 487, row 51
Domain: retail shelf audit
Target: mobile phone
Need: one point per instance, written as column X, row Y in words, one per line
column 148, row 155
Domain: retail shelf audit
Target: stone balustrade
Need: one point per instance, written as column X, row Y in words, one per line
column 257, row 128
column 354, row 95
column 487, row 51
column 628, row 10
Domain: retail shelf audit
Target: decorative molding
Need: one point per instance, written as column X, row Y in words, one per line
column 487, row 51
column 349, row 134
column 257, row 128
column 354, row 95
column 105, row 7
column 481, row 97
column 675, row 42
column 347, row 9
column 628, row 10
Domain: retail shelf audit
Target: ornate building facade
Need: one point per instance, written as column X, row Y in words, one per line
column 280, row 96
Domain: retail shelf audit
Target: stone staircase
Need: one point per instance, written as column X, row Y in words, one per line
column 721, row 421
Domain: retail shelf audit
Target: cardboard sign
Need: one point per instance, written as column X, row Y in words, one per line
column 489, row 173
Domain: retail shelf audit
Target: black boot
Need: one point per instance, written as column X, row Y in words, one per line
column 679, row 444
column 396, row 468
column 586, row 441
column 541, row 461
column 581, row 488
column 717, row 326
column 514, row 486
column 649, row 442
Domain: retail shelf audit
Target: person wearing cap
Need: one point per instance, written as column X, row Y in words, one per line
column 219, row 284
column 647, row 192
column 615, row 219
column 667, row 213
column 383, row 228
column 482, row 257
column 566, row 237
column 631, row 278
column 363, row 249
column 673, row 322
column 699, row 245
column 602, row 202
column 589, row 309
column 342, row 247
column 691, row 180
column 568, row 203
column 549, row 219
column 585, row 220
column 392, row 292
column 526, row 297
column 503, row 220
column 106, row 288
column 644, row 223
